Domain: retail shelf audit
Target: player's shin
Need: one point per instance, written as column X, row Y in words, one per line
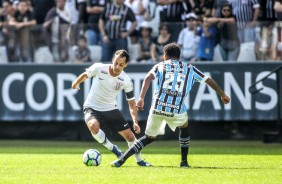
column 137, row 146
column 138, row 156
column 101, row 138
column 184, row 140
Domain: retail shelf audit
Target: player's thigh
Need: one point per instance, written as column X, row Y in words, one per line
column 179, row 120
column 155, row 125
column 92, row 119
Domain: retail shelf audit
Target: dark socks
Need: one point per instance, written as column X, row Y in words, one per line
column 139, row 145
column 184, row 140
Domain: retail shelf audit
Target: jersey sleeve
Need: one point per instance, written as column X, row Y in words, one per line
column 199, row 76
column 92, row 70
column 129, row 90
column 155, row 70
column 130, row 15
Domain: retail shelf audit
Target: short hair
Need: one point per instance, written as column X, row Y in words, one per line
column 172, row 50
column 82, row 37
column 122, row 53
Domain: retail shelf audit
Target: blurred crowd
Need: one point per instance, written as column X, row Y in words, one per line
column 79, row 31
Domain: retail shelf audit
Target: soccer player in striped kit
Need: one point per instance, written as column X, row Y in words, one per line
column 175, row 80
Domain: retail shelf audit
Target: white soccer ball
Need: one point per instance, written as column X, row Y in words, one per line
column 91, row 157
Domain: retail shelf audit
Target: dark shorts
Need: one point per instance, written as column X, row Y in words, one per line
column 113, row 120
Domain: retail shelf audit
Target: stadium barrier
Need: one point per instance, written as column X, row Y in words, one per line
column 43, row 93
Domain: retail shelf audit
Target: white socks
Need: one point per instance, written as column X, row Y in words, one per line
column 101, row 138
column 138, row 156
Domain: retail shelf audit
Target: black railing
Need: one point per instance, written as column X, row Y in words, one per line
column 271, row 137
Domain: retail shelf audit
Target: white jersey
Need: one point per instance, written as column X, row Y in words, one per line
column 104, row 88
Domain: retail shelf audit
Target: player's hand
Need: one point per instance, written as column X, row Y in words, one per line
column 136, row 128
column 75, row 85
column 225, row 99
column 140, row 104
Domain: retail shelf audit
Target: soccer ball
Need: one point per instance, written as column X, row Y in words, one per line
column 91, row 157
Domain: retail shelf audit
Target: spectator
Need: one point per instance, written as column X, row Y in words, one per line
column 229, row 45
column 201, row 7
column 94, row 9
column 264, row 32
column 246, row 13
column 188, row 40
column 139, row 8
column 267, row 12
column 71, row 8
column 82, row 13
column 216, row 7
column 145, row 43
column 8, row 32
column 41, row 7
column 23, row 21
column 207, row 42
column 15, row 4
column 159, row 43
column 268, row 44
column 277, row 44
column 172, row 13
column 112, row 25
column 56, row 25
column 30, row 6
column 278, row 9
column 82, row 52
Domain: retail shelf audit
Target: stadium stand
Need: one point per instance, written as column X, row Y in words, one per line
column 95, row 52
column 43, row 55
column 247, row 52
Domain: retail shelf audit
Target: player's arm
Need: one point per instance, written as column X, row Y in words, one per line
column 145, row 85
column 225, row 99
column 134, row 115
column 81, row 78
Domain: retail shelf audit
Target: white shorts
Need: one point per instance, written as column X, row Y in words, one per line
column 158, row 119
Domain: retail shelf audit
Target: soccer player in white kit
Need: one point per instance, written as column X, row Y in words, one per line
column 175, row 80
column 100, row 105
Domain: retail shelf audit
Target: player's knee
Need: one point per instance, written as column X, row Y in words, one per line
column 185, row 125
column 130, row 137
column 93, row 126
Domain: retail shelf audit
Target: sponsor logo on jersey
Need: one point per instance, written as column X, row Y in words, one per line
column 119, row 78
column 168, row 105
column 104, row 72
column 171, row 93
column 163, row 113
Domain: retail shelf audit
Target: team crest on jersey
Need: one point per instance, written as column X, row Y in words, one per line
column 118, row 86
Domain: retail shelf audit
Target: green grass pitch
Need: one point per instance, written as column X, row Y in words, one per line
column 36, row 162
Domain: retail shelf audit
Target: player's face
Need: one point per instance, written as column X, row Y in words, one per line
column 119, row 63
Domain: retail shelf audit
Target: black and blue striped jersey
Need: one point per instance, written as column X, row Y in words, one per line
column 175, row 80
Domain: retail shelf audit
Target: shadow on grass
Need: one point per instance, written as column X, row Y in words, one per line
column 218, row 167
column 198, row 167
column 160, row 147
